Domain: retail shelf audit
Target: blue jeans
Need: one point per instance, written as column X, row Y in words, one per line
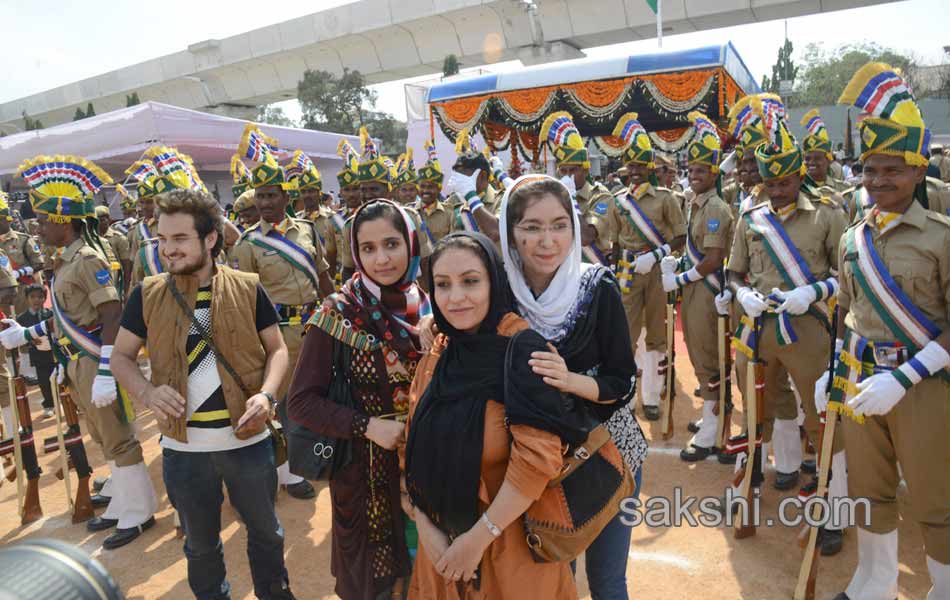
column 193, row 481
column 606, row 558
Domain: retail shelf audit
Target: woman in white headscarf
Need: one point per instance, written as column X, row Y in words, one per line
column 577, row 307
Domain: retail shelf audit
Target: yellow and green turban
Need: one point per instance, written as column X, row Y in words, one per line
column 894, row 125
column 569, row 147
column 372, row 166
column 101, row 212
column 817, row 139
column 405, row 169
column 746, row 126
column 302, row 169
column 63, row 187
column 162, row 169
column 349, row 175
column 5, row 206
column 780, row 156
column 638, row 147
column 705, row 147
column 262, row 150
column 241, row 176
column 432, row 170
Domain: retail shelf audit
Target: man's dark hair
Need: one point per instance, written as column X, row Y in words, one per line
column 200, row 205
column 36, row 287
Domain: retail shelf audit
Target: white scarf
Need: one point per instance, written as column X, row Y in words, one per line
column 546, row 313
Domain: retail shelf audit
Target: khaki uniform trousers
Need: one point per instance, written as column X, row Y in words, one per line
column 914, row 434
column 701, row 333
column 805, row 361
column 645, row 306
column 293, row 338
column 117, row 439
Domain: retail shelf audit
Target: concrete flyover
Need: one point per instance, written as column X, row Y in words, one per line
column 389, row 40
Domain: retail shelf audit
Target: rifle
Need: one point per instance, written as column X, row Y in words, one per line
column 24, row 450
column 808, row 538
column 755, row 397
column 666, row 403
column 724, row 408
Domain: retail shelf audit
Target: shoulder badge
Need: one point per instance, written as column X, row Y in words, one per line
column 712, row 225
column 102, row 276
column 600, row 208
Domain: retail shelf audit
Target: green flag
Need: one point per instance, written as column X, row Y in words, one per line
column 652, row 5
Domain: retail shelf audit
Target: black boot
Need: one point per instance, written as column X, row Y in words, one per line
column 652, row 413
column 830, row 540
column 809, row 466
column 692, row 427
column 695, row 453
column 785, row 481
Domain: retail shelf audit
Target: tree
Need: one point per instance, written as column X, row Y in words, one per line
column 30, row 124
column 79, row 114
column 332, row 103
column 784, row 69
column 450, row 66
column 825, row 73
column 274, row 115
column 132, row 99
column 391, row 132
column 90, row 111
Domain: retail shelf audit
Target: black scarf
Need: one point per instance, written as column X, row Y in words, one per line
column 444, row 449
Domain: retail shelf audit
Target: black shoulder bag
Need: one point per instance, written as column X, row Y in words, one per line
column 315, row 456
column 277, row 433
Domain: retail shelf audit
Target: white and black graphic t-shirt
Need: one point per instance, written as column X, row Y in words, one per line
column 209, row 421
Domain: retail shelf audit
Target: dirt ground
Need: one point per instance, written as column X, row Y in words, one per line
column 666, row 562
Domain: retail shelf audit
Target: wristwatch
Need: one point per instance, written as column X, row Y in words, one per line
column 491, row 526
column 270, row 398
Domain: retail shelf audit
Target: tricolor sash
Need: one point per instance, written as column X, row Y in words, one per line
column 468, row 220
column 594, row 255
column 298, row 258
column 863, row 203
column 148, row 251
column 790, row 264
column 338, row 221
column 693, row 257
column 87, row 344
column 627, row 204
column 426, row 230
column 908, row 324
column 744, row 340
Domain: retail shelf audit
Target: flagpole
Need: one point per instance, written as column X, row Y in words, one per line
column 659, row 23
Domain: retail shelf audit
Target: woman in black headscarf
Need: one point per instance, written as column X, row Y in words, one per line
column 468, row 476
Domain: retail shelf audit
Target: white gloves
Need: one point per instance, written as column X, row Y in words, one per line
column 723, row 300
column 24, row 272
column 60, row 372
column 104, row 391
column 645, row 262
column 797, row 301
column 568, row 182
column 879, row 393
column 821, row 400
column 498, row 171
column 15, row 335
column 753, row 303
column 668, row 269
column 464, row 186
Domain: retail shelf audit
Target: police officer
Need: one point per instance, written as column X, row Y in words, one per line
column 709, row 234
column 818, row 156
column 23, row 253
column 87, row 311
column 310, row 188
column 287, row 255
column 782, row 268
column 118, row 245
column 646, row 224
column 896, row 325
column 352, row 199
column 436, row 216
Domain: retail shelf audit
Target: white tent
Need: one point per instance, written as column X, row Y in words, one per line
column 116, row 139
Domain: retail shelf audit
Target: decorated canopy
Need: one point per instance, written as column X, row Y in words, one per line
column 663, row 88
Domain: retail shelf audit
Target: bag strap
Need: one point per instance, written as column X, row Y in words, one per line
column 206, row 336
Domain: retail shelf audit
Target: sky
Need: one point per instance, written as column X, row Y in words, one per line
column 96, row 36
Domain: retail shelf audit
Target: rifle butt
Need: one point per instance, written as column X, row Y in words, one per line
column 82, row 507
column 32, row 511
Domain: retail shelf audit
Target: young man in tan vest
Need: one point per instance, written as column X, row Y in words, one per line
column 213, row 431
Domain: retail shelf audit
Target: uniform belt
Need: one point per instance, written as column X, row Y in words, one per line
column 294, row 314
column 70, row 351
column 889, row 355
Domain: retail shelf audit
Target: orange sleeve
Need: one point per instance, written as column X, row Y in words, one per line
column 536, row 459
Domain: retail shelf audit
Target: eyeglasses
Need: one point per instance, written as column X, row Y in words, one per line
column 536, row 231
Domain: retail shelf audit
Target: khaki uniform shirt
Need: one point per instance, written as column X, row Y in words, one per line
column 438, row 218
column 283, row 282
column 22, row 250
column 594, row 201
column 119, row 243
column 324, row 226
column 710, row 221
column 915, row 253
column 660, row 205
column 815, row 227
column 83, row 282
column 425, row 246
column 135, row 244
column 938, row 196
column 7, row 280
